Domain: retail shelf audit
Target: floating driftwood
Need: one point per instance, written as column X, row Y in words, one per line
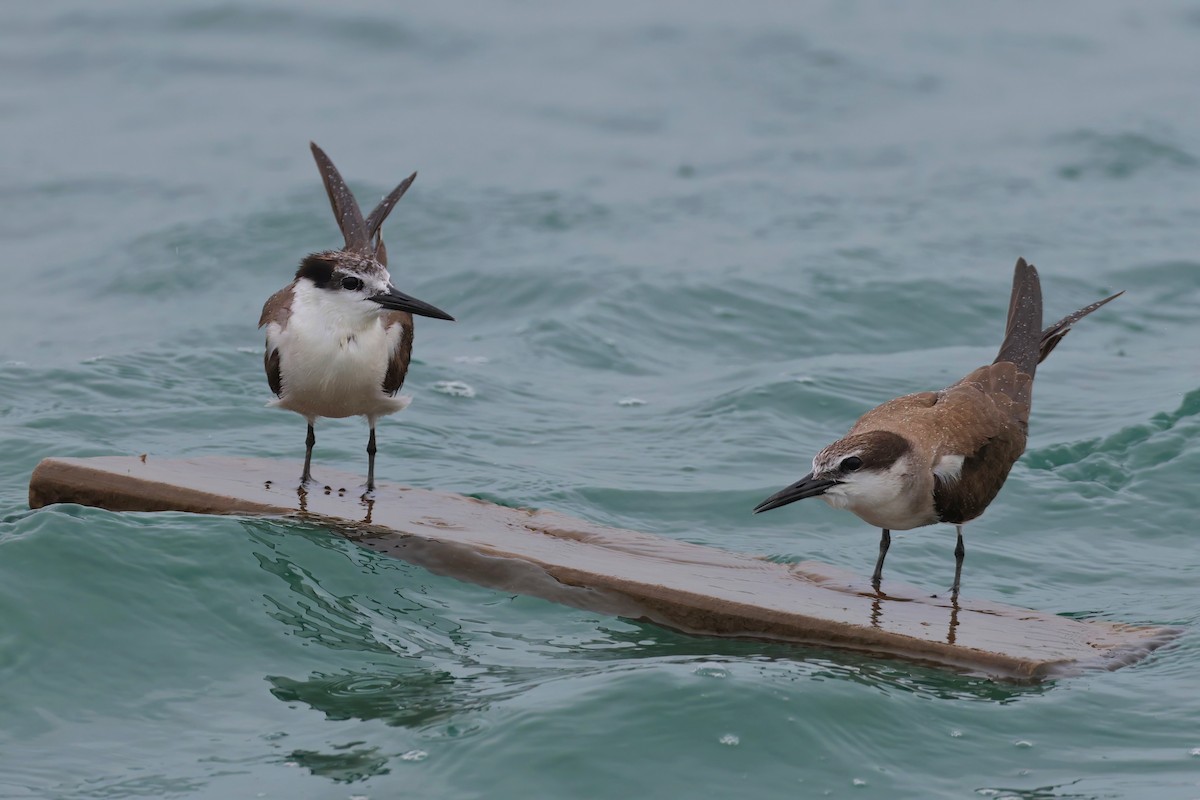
column 688, row 587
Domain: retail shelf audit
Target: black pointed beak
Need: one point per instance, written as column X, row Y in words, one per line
column 397, row 300
column 808, row 486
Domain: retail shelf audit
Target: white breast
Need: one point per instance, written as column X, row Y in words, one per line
column 333, row 356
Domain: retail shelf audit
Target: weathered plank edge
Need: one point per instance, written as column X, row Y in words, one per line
column 73, row 481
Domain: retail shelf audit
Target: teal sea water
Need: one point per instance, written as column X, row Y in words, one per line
column 687, row 244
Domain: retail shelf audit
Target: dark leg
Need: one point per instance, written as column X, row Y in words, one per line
column 309, row 441
column 371, row 461
column 959, row 552
column 885, row 541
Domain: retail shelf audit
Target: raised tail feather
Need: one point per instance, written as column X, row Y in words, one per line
column 1055, row 333
column 345, row 208
column 1023, row 334
column 362, row 235
column 375, row 219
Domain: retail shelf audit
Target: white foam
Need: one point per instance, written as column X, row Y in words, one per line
column 454, row 388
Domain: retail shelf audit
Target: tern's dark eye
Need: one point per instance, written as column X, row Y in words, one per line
column 850, row 464
column 351, row 283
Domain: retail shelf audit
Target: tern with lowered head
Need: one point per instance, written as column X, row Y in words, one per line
column 339, row 336
column 940, row 456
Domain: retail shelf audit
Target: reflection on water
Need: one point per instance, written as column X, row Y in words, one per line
column 1053, row 792
column 953, row 620
column 408, row 694
column 423, row 682
column 350, row 764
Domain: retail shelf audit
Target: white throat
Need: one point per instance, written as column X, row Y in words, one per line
column 339, row 313
column 333, row 355
column 897, row 498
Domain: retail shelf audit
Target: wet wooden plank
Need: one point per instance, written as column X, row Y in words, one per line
column 688, row 587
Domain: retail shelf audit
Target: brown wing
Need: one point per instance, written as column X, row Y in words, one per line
column 271, row 365
column 398, row 363
column 983, row 418
column 1008, row 388
column 958, row 419
column 986, row 422
column 278, row 307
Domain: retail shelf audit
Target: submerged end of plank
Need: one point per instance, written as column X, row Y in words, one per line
column 692, row 588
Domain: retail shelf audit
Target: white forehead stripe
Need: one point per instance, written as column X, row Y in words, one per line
column 824, row 461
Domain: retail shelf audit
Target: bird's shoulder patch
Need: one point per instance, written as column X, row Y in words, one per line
column 402, row 323
column 271, row 365
column 278, row 308
column 948, row 468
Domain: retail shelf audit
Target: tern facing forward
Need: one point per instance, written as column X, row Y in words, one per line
column 940, row 456
column 339, row 336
